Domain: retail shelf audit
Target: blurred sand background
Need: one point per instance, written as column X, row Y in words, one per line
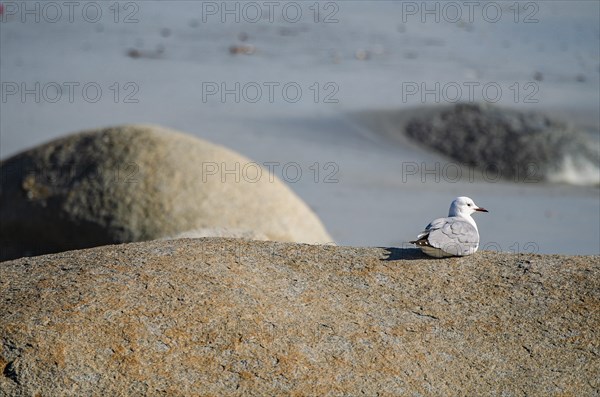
column 360, row 57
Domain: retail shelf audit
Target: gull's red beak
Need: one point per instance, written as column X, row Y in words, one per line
column 480, row 209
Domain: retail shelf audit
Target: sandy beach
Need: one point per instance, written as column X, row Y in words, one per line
column 319, row 92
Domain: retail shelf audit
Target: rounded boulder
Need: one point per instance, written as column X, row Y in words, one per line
column 141, row 182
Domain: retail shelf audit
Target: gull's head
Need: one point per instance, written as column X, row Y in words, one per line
column 464, row 206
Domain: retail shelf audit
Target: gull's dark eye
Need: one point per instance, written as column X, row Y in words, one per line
column 469, row 205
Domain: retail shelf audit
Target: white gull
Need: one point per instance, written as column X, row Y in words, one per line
column 456, row 235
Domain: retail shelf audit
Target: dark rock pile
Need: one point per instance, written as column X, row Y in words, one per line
column 517, row 145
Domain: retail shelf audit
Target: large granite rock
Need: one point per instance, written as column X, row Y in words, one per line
column 229, row 317
column 136, row 183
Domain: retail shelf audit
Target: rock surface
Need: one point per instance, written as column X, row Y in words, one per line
column 520, row 146
column 228, row 317
column 137, row 183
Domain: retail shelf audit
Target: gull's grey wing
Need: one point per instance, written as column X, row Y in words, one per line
column 453, row 235
column 433, row 225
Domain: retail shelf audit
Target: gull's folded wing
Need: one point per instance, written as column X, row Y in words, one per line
column 453, row 235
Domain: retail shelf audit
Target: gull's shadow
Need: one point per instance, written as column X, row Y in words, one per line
column 403, row 254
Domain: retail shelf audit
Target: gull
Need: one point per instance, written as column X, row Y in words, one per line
column 456, row 235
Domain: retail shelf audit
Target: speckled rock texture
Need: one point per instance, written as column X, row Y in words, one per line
column 137, row 183
column 230, row 317
column 516, row 145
